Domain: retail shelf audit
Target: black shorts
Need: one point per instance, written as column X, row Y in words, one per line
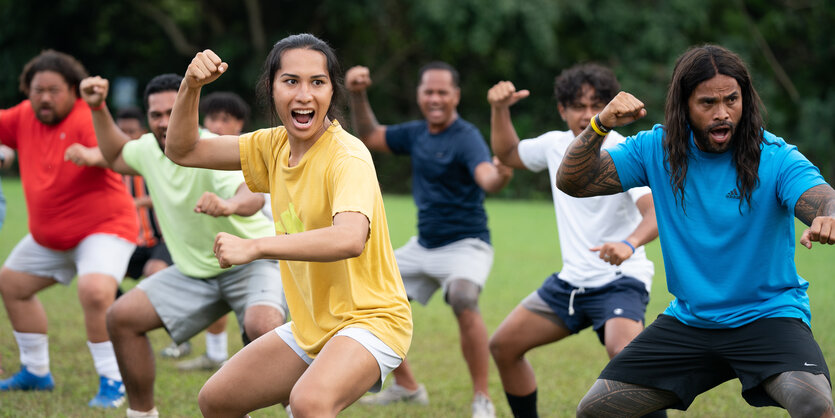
column 687, row 361
column 141, row 256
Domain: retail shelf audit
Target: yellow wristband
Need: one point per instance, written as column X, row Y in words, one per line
column 594, row 126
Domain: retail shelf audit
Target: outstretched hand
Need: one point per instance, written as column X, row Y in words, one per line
column 94, row 90
column 205, row 67
column 622, row 110
column 357, row 79
column 504, row 94
column 822, row 230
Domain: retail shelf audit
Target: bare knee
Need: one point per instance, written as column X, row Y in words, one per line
column 212, row 402
column 13, row 286
column 307, row 404
column 503, row 350
column 262, row 319
column 96, row 295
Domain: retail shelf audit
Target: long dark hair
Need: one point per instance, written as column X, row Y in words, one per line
column 696, row 65
column 264, row 89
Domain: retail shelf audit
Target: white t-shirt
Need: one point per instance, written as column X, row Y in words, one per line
column 591, row 221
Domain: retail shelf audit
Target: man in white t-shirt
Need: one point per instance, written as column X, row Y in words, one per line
column 605, row 279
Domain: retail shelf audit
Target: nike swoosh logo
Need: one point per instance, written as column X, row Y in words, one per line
column 809, row 364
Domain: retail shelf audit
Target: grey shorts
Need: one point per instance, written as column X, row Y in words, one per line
column 386, row 358
column 97, row 253
column 187, row 305
column 424, row 270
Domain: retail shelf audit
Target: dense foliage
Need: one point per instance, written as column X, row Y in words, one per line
column 528, row 42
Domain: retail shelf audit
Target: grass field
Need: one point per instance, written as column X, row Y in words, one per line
column 524, row 235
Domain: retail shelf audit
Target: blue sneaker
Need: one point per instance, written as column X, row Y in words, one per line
column 111, row 394
column 24, row 380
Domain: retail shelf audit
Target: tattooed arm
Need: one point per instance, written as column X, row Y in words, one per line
column 816, row 208
column 357, row 81
column 586, row 170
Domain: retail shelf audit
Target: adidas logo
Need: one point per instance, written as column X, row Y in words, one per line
column 733, row 194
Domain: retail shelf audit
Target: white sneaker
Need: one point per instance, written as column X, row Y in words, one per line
column 153, row 413
column 482, row 407
column 396, row 393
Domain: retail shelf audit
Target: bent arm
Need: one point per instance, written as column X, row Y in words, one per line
column 816, row 208
column 492, row 177
column 111, row 141
column 365, row 123
column 586, row 170
column 246, row 202
column 503, row 138
column 647, row 229
column 344, row 239
column 183, row 144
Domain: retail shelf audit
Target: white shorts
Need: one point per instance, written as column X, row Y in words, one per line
column 424, row 270
column 386, row 358
column 97, row 253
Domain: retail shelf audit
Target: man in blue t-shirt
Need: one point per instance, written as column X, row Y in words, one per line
column 451, row 170
column 726, row 193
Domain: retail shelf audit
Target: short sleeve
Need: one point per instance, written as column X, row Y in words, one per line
column 399, row 137
column 253, row 148
column 629, row 157
column 353, row 186
column 533, row 152
column 132, row 152
column 474, row 150
column 796, row 175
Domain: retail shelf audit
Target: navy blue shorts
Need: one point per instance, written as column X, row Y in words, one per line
column 625, row 297
column 687, row 361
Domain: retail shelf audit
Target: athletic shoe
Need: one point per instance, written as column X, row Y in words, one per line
column 111, row 394
column 199, row 363
column 153, row 413
column 176, row 351
column 482, row 407
column 396, row 393
column 24, row 380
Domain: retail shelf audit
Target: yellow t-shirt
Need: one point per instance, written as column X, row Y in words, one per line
column 335, row 175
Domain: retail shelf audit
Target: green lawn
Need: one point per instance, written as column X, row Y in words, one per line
column 524, row 235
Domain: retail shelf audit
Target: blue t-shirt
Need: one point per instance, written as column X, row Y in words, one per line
column 450, row 203
column 727, row 264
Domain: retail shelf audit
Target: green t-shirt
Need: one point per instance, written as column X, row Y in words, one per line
column 175, row 191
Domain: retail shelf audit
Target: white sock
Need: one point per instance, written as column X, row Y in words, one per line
column 216, row 346
column 104, row 359
column 34, row 352
column 132, row 413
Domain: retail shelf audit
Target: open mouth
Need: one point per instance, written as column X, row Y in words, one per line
column 721, row 132
column 302, row 118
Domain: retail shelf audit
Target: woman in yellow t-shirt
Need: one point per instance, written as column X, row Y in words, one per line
column 352, row 322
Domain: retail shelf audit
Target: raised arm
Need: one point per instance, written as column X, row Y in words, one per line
column 344, row 239
column 816, row 208
column 586, row 170
column 503, row 137
column 243, row 203
column 183, row 144
column 110, row 138
column 357, row 81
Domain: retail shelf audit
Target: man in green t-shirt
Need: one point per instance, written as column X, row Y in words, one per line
column 188, row 296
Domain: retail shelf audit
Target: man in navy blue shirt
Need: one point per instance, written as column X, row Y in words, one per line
column 451, row 171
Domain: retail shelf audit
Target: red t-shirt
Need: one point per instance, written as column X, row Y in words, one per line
column 66, row 203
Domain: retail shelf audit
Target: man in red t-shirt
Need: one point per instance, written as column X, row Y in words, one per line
column 81, row 222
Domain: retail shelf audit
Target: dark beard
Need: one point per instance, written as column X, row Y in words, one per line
column 702, row 137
